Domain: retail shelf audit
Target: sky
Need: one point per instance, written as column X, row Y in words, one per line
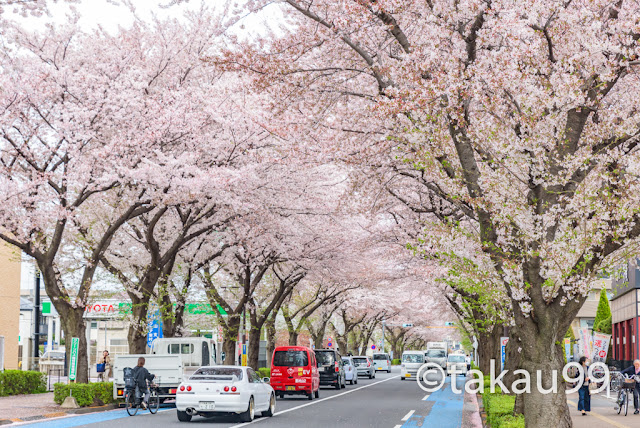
column 110, row 15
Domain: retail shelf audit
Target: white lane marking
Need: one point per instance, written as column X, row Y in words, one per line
column 425, row 397
column 398, row 426
column 407, row 416
column 315, row 402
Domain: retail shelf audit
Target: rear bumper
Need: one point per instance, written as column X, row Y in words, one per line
column 223, row 403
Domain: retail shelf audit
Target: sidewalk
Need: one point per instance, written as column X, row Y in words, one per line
column 36, row 407
column 602, row 414
column 23, row 407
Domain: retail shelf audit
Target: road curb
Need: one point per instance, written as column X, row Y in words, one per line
column 80, row 411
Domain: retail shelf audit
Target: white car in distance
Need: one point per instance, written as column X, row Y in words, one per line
column 225, row 390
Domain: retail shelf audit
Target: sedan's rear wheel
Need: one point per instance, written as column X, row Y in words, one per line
column 184, row 416
column 272, row 407
column 250, row 413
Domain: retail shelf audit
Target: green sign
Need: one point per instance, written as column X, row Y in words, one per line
column 46, row 308
column 189, row 308
column 73, row 361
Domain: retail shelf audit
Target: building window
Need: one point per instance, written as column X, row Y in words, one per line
column 590, row 323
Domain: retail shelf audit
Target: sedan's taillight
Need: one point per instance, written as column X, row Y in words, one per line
column 337, row 367
column 188, row 388
column 181, row 387
column 234, row 389
column 226, row 389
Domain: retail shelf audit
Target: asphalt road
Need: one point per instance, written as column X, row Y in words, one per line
column 385, row 401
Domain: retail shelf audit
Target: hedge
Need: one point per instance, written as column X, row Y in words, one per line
column 499, row 408
column 15, row 382
column 84, row 393
column 264, row 372
column 396, row 362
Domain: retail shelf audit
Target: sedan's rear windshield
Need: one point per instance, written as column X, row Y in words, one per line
column 379, row 357
column 291, row 358
column 217, row 373
column 325, row 357
column 413, row 358
column 359, row 360
column 346, row 361
column 435, row 353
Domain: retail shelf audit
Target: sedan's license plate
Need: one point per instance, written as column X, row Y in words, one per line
column 291, row 388
column 207, row 405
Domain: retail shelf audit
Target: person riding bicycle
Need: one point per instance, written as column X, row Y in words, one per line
column 634, row 370
column 141, row 376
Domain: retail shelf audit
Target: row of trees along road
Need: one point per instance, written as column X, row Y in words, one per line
column 519, row 120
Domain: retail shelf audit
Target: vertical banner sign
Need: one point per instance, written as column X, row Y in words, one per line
column 585, row 342
column 600, row 347
column 73, row 359
column 503, row 351
column 244, row 354
column 155, row 326
column 567, row 347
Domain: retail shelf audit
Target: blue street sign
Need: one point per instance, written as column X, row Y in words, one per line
column 155, row 330
column 329, row 345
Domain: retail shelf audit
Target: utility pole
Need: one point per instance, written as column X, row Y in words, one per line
column 383, row 323
column 36, row 315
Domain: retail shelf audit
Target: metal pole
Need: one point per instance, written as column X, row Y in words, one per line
column 36, row 314
column 382, row 335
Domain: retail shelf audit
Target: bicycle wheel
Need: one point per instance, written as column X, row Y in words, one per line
column 626, row 403
column 154, row 402
column 620, row 401
column 616, row 382
column 130, row 403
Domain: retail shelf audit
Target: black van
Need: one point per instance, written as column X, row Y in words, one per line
column 331, row 368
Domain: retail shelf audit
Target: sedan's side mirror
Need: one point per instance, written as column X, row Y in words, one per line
column 266, row 379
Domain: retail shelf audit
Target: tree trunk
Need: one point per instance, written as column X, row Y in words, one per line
column 489, row 349
column 231, row 330
column 293, row 338
column 545, row 410
column 73, row 325
column 137, row 334
column 254, row 347
column 270, row 327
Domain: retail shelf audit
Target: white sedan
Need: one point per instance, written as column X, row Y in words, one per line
column 225, row 390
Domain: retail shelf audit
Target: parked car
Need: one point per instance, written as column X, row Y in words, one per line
column 411, row 363
column 294, row 370
column 225, row 390
column 382, row 361
column 458, row 363
column 365, row 366
column 331, row 368
column 350, row 370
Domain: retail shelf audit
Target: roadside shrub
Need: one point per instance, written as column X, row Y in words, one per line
column 84, row 393
column 511, row 422
column 396, row 362
column 15, row 382
column 499, row 408
column 264, row 372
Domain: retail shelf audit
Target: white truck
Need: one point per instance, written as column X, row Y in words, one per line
column 436, row 353
column 170, row 359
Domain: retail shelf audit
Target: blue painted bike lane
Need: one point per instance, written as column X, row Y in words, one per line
column 78, row 420
column 442, row 408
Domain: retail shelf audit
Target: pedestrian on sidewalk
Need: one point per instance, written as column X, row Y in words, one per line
column 584, row 403
column 634, row 371
column 106, row 360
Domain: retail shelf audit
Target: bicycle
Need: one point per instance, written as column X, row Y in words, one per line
column 627, row 389
column 615, row 381
column 133, row 399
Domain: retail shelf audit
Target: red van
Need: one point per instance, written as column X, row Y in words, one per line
column 294, row 370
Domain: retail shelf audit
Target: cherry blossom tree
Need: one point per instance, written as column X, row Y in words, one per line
column 522, row 116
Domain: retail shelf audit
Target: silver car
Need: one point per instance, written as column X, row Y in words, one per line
column 365, row 366
column 350, row 370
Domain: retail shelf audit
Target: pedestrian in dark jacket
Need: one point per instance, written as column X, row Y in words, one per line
column 584, row 402
column 141, row 376
column 634, row 370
